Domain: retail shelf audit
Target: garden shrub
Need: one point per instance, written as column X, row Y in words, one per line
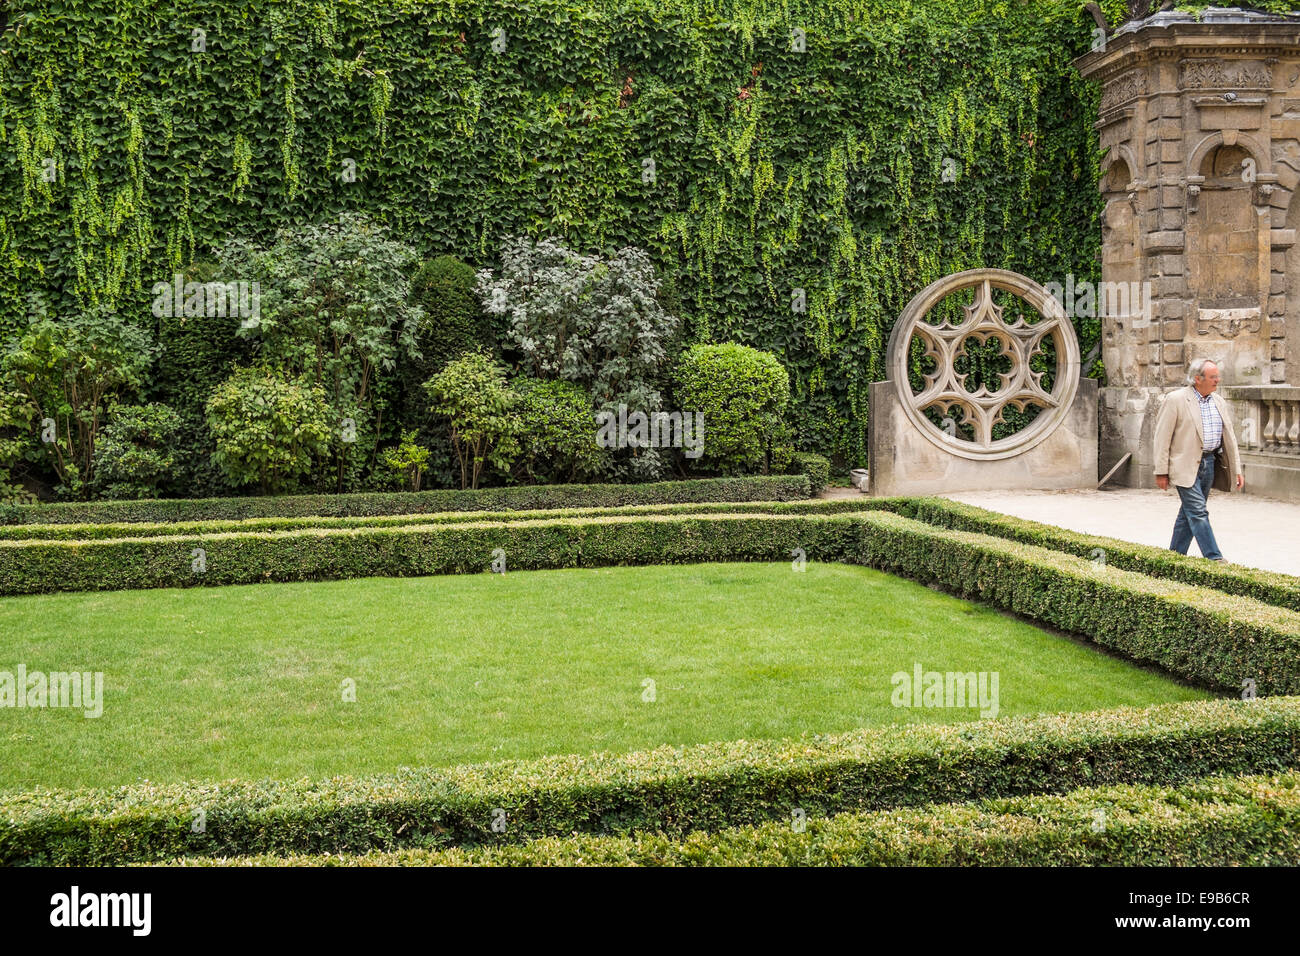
column 269, row 430
column 136, row 451
column 1270, row 587
column 406, row 462
column 669, row 790
column 472, row 393
column 595, row 321
column 334, row 311
column 817, row 468
column 742, row 394
column 556, row 432
column 68, row 370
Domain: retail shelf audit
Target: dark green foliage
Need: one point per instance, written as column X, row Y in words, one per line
column 742, row 394
column 817, row 468
column 196, row 353
column 67, row 371
column 751, row 488
column 136, row 451
column 557, row 432
column 673, row 791
column 775, row 170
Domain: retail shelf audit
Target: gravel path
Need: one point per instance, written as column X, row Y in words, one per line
column 1251, row 530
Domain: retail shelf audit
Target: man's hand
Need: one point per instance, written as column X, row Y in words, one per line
column 1162, row 482
column 1241, row 482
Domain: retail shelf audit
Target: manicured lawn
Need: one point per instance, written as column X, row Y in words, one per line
column 246, row 681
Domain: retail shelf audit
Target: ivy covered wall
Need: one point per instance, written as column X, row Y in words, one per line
column 784, row 161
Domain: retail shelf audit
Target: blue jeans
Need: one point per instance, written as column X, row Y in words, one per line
column 1193, row 517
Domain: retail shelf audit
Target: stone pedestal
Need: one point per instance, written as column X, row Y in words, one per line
column 905, row 462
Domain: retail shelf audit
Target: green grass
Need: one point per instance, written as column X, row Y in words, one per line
column 245, row 682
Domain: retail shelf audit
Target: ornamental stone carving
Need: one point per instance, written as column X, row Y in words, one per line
column 911, row 454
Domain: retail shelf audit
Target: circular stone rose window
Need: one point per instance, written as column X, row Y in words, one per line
column 991, row 378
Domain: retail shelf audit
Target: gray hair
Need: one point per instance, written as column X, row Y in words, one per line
column 1197, row 367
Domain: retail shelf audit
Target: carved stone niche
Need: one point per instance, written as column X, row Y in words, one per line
column 911, row 454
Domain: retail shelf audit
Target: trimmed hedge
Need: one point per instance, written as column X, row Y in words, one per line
column 1270, row 587
column 94, row 532
column 817, row 468
column 314, row 554
column 364, row 504
column 1205, row 636
column 1220, row 821
column 669, row 790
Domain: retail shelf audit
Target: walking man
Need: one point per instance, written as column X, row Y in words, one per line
column 1196, row 450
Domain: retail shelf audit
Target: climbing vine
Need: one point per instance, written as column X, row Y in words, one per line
column 800, row 168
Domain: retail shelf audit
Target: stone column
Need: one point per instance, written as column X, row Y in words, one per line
column 1200, row 129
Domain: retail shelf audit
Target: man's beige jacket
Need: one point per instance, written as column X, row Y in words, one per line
column 1179, row 441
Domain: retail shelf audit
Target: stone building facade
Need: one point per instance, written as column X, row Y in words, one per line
column 1200, row 129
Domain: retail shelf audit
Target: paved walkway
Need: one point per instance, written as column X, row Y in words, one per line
column 1251, row 530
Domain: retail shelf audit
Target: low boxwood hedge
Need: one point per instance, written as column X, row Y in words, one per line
column 1217, row 821
column 668, row 790
column 817, row 468
column 1270, row 587
column 1217, row 640
column 1214, row 639
column 526, row 497
column 94, row 532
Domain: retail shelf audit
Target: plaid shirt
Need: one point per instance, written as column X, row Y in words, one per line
column 1211, row 421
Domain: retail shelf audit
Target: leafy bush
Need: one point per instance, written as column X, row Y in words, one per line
column 817, row 468
column 269, row 431
column 742, row 394
column 137, row 450
column 673, row 791
column 453, row 324
column 406, row 462
column 593, row 321
column 334, row 311
column 68, row 371
column 473, row 394
column 556, row 432
column 15, row 445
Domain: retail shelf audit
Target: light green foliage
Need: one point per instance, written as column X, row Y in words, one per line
column 406, row 462
column 557, row 432
column 136, row 451
column 742, row 394
column 269, row 430
column 473, row 395
column 67, row 371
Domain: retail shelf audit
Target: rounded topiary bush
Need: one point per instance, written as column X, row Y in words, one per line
column 742, row 395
